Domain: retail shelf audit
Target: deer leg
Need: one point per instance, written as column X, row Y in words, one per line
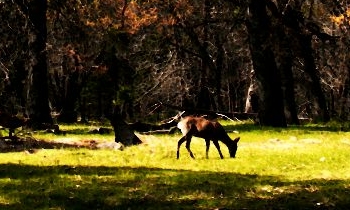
column 216, row 143
column 207, row 144
column 182, row 140
column 188, row 146
column 11, row 133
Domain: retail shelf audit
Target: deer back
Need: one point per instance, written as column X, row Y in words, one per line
column 201, row 127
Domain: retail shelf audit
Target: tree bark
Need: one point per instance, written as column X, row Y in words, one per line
column 72, row 92
column 122, row 131
column 310, row 68
column 286, row 69
column 219, row 68
column 271, row 111
column 75, row 77
column 285, row 57
column 38, row 91
column 344, row 99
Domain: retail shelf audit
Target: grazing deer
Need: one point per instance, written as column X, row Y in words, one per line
column 11, row 122
column 208, row 130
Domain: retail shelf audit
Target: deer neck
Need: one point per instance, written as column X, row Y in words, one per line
column 226, row 140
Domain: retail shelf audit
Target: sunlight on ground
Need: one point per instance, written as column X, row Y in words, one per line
column 281, row 168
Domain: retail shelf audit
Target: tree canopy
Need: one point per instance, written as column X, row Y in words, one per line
column 76, row 59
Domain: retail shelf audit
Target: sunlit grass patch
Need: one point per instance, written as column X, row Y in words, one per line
column 275, row 168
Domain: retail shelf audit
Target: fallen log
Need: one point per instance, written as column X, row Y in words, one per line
column 147, row 127
column 169, row 131
column 233, row 115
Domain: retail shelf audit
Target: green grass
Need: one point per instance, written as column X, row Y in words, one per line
column 294, row 168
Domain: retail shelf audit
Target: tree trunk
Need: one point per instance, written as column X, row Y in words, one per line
column 285, row 58
column 122, row 131
column 72, row 92
column 310, row 68
column 345, row 99
column 82, row 109
column 271, row 111
column 38, row 91
column 204, row 99
column 20, row 75
column 75, row 77
column 286, row 69
column 252, row 97
column 219, row 69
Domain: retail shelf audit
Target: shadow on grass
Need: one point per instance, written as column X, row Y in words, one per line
column 69, row 187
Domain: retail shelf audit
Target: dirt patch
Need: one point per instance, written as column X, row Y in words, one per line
column 31, row 145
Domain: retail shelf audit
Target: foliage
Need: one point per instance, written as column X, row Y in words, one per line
column 189, row 53
column 298, row 167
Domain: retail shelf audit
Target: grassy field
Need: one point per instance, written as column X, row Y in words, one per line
column 293, row 168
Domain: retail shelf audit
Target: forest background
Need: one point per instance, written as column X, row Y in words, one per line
column 75, row 60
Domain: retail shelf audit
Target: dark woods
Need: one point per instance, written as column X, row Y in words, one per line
column 63, row 62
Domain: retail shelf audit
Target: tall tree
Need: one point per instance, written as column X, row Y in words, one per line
column 271, row 111
column 37, row 91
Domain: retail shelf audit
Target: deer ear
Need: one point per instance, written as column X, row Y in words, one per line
column 237, row 139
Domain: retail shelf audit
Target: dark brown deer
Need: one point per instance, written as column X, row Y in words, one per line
column 11, row 122
column 209, row 131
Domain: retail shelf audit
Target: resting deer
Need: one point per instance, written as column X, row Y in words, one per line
column 208, row 130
